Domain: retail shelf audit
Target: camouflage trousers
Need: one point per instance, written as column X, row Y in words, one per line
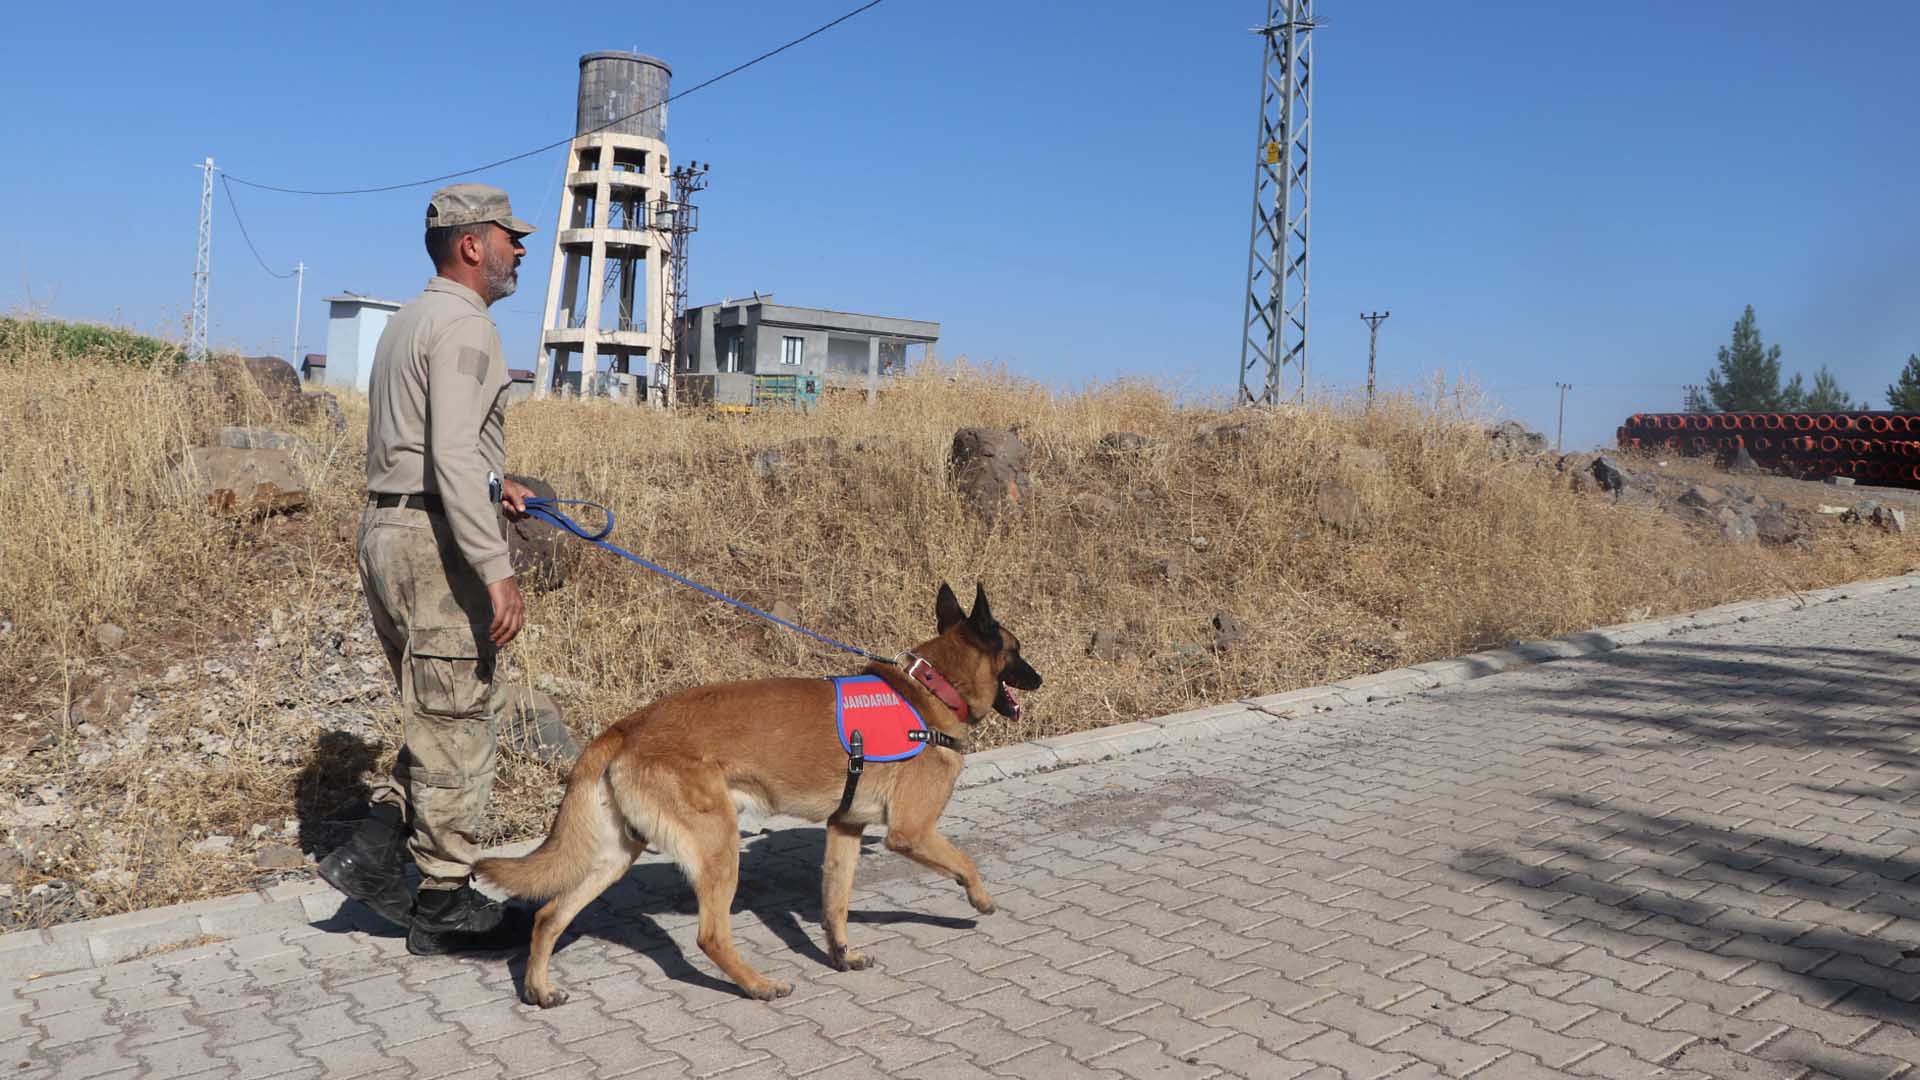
column 432, row 612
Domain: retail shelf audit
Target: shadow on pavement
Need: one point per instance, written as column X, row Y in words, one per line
column 1829, row 913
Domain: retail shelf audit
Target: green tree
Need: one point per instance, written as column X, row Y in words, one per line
column 1748, row 378
column 1827, row 395
column 1793, row 396
column 1903, row 395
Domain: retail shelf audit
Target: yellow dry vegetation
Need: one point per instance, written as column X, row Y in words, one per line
column 1446, row 547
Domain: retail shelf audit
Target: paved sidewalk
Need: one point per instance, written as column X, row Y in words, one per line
column 1693, row 857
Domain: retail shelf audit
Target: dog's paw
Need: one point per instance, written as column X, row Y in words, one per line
column 546, row 1000
column 770, row 990
column 983, row 903
column 851, row 960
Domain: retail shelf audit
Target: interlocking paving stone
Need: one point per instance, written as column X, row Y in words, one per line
column 1699, row 854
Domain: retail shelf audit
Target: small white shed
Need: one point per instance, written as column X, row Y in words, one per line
column 354, row 324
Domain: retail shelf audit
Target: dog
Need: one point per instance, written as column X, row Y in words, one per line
column 674, row 774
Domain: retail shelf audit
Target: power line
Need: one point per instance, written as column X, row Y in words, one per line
column 768, row 55
column 243, row 230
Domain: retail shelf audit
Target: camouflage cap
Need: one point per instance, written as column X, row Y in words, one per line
column 467, row 204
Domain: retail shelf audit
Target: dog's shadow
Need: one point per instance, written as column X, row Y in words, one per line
column 779, row 886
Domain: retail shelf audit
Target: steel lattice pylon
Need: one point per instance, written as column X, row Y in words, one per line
column 679, row 219
column 1275, row 324
column 202, row 266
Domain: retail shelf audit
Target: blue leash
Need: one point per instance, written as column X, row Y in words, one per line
column 548, row 510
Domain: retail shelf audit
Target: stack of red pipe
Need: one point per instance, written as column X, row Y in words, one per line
column 1871, row 447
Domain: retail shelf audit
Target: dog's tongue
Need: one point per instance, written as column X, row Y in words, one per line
column 1012, row 699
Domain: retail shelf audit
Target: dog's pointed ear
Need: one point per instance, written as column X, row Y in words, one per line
column 946, row 609
column 982, row 615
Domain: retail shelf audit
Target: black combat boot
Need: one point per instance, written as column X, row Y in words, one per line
column 462, row 920
column 371, row 866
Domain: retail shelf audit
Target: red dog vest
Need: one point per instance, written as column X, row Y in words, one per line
column 890, row 728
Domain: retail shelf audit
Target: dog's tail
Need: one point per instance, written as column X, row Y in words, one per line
column 579, row 831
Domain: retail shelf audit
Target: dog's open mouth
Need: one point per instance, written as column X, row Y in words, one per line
column 1006, row 704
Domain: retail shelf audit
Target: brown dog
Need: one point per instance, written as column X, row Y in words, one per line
column 672, row 775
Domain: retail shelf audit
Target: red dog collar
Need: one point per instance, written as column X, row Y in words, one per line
column 924, row 673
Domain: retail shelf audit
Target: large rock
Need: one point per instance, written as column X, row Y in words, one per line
column 990, row 469
column 1119, row 445
column 1703, row 497
column 1777, row 527
column 537, row 548
column 103, row 704
column 1737, row 527
column 1228, row 631
column 1612, row 476
column 1231, row 433
column 258, row 438
column 245, row 482
column 536, row 728
column 277, row 380
column 319, row 407
column 256, row 388
column 1511, row 439
column 1341, row 508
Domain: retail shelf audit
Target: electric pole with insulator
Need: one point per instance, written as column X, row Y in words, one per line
column 1560, row 425
column 1373, row 322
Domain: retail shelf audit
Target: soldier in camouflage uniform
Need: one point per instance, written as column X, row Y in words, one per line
column 434, row 565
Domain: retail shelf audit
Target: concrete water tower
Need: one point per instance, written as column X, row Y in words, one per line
column 611, row 273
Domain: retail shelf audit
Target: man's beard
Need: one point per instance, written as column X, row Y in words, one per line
column 503, row 276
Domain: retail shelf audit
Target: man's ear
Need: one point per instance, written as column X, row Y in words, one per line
column 946, row 609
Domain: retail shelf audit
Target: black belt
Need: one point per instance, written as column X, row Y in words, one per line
column 386, row 500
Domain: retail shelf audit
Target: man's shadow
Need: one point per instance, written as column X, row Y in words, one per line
column 330, row 798
column 779, row 886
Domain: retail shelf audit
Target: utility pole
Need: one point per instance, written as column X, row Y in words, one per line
column 299, row 293
column 1560, row 425
column 1373, row 322
column 1692, row 401
column 202, row 266
column 1274, row 323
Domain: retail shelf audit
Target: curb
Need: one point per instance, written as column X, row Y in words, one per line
column 31, row 954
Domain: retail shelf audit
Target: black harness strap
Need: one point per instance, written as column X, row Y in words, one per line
column 857, row 759
column 856, row 764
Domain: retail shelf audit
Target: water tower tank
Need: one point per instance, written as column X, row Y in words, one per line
column 616, row 84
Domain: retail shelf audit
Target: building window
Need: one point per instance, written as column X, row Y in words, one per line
column 792, row 350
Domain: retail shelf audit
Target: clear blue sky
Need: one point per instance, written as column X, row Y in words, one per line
column 1539, row 192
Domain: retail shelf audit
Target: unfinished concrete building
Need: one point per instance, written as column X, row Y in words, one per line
column 606, row 294
column 849, row 351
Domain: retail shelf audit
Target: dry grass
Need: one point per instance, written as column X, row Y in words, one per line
column 1462, row 550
